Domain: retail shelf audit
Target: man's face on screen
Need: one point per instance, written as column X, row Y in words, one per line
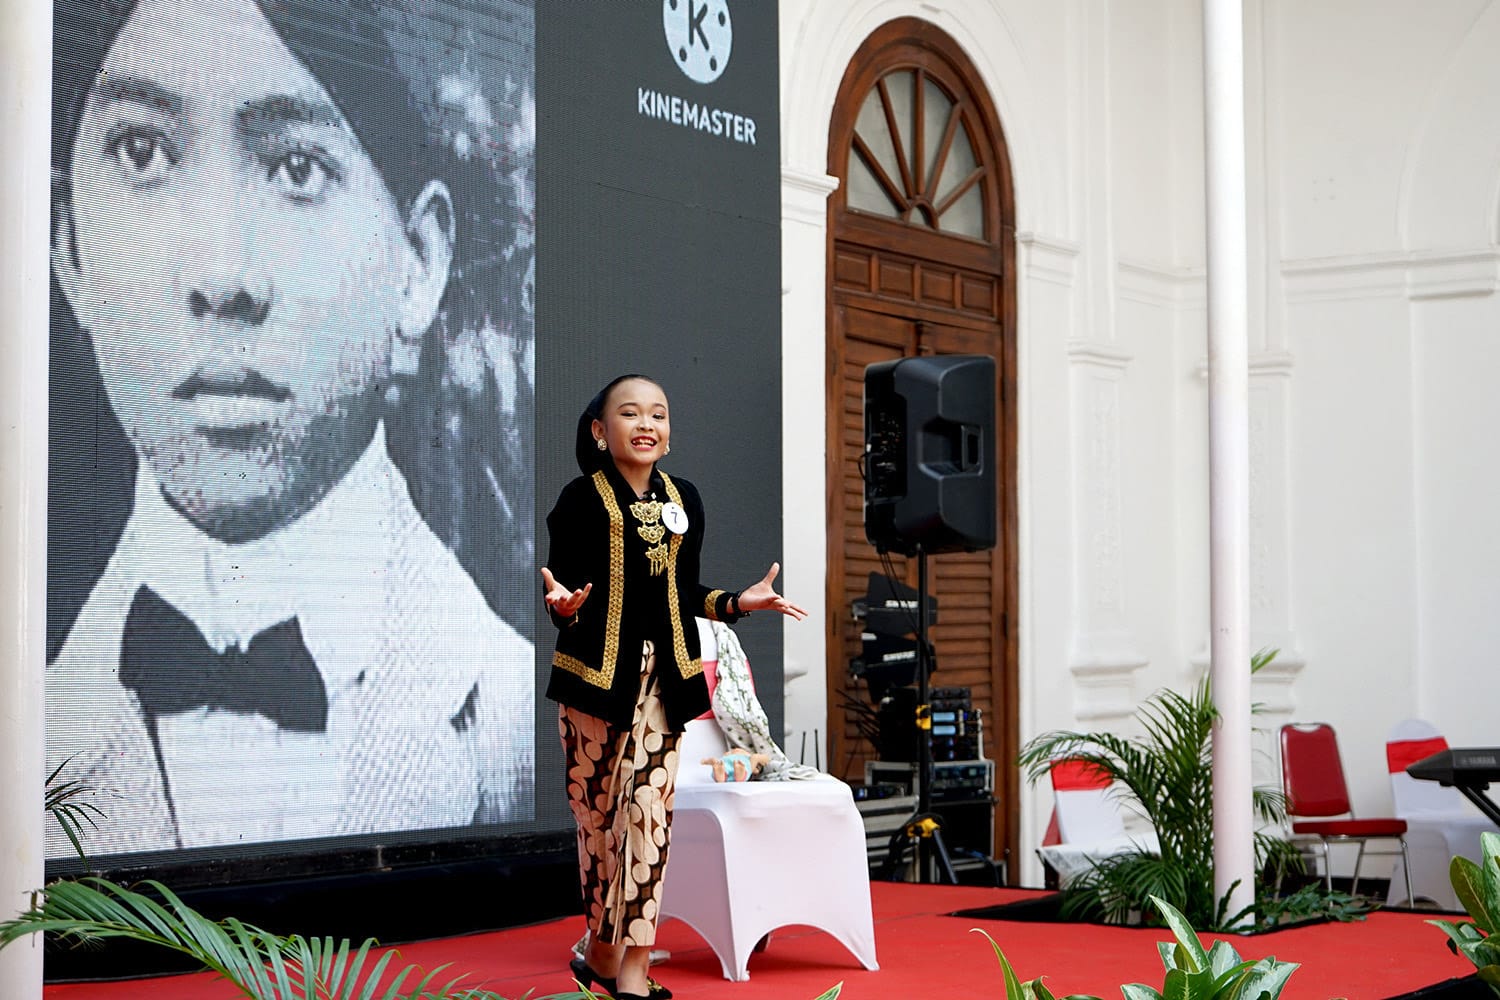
column 237, row 260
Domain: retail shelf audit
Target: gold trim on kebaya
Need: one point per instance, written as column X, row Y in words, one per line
column 604, row 675
column 686, row 666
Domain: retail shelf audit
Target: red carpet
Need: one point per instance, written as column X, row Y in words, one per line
column 922, row 954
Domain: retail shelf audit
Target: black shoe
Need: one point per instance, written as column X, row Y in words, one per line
column 654, row 991
column 589, row 978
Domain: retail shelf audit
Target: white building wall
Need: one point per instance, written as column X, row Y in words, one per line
column 1374, row 199
column 1387, row 168
column 1456, row 411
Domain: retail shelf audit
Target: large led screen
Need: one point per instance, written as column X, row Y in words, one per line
column 332, row 281
column 290, row 511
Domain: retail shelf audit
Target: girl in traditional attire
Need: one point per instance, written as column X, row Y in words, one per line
column 622, row 588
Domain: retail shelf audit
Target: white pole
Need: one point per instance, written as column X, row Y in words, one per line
column 25, row 199
column 1229, row 448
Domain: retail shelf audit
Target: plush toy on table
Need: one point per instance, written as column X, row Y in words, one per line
column 737, row 764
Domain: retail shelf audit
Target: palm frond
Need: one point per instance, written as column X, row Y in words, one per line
column 63, row 799
column 261, row 965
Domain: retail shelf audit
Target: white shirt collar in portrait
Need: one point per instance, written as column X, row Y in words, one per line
column 327, row 568
column 430, row 694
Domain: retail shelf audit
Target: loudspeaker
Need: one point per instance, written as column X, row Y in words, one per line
column 930, row 454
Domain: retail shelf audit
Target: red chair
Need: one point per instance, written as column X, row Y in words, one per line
column 1317, row 800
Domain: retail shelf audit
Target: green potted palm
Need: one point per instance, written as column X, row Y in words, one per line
column 1166, row 776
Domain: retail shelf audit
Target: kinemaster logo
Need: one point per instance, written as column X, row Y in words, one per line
column 700, row 36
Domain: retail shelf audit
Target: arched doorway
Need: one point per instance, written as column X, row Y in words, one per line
column 921, row 260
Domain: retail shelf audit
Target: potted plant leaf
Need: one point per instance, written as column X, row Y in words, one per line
column 1166, row 776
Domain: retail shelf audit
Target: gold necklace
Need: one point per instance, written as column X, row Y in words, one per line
column 648, row 512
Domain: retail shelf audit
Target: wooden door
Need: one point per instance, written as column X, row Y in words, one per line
column 921, row 261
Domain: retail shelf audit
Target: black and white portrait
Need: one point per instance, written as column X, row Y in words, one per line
column 290, row 500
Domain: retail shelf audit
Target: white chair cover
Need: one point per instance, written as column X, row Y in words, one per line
column 748, row 857
column 1090, row 824
column 1441, row 823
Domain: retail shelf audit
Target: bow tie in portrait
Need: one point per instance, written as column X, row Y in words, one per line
column 166, row 661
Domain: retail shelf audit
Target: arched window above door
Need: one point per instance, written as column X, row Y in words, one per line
column 916, row 144
column 912, row 156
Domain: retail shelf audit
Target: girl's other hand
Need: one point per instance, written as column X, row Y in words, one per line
column 762, row 597
column 562, row 601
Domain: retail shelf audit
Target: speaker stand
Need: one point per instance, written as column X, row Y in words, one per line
column 923, row 830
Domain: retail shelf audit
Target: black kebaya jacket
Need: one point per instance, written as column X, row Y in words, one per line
column 597, row 538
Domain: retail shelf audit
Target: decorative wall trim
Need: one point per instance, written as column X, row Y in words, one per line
column 804, row 196
column 1104, row 355
column 1365, row 276
column 1417, row 276
column 1048, row 258
column 1163, row 285
column 1104, row 686
column 1272, row 688
column 1268, row 363
column 1265, row 363
column 1455, row 275
column 1104, row 659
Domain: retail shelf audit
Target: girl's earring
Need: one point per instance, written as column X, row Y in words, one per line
column 599, row 443
column 668, row 451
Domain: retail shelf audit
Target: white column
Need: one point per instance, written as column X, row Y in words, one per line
column 804, row 543
column 25, row 122
column 1229, row 448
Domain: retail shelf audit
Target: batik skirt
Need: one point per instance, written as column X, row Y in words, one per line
column 620, row 785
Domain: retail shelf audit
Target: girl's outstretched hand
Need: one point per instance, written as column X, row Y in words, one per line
column 564, row 602
column 762, row 597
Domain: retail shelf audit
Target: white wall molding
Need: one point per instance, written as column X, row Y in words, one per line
column 1104, row 655
column 1426, row 274
column 1263, row 364
column 1048, row 258
column 1454, row 275
column 1104, row 686
column 1273, row 687
column 1270, row 363
column 1163, row 285
column 1083, row 352
column 804, row 196
column 1363, row 276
